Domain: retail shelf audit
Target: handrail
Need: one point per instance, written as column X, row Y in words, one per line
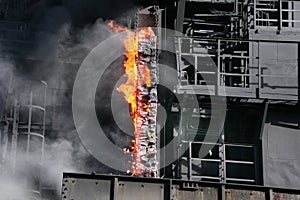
column 250, row 69
column 236, row 40
column 263, row 12
column 40, row 135
column 220, row 160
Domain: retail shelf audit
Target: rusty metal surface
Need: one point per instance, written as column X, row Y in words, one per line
column 201, row 193
column 281, row 196
column 244, row 195
column 108, row 187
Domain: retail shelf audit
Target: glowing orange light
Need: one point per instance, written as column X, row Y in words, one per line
column 129, row 88
column 136, row 74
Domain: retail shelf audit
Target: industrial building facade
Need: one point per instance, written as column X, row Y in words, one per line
column 242, row 54
column 255, row 47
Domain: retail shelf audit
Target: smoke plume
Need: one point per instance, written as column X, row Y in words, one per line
column 65, row 32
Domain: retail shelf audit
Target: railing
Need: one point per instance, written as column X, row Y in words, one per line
column 237, row 68
column 222, row 160
column 279, row 14
column 29, row 126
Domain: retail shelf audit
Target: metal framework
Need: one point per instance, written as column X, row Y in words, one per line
column 240, row 70
column 27, row 123
column 278, row 14
column 222, row 163
column 242, row 49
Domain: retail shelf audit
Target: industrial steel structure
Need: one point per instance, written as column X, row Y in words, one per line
column 78, row 186
column 245, row 53
column 255, row 46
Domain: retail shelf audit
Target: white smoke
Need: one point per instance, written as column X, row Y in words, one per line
column 61, row 156
column 58, row 49
column 12, row 189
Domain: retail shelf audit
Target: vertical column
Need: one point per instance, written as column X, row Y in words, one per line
column 15, row 133
column 279, row 15
column 254, row 14
column 259, row 72
column 190, row 168
column 219, row 67
column 178, row 55
column 222, row 152
column 180, row 15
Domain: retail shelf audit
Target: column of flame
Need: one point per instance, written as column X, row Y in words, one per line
column 140, row 91
column 145, row 159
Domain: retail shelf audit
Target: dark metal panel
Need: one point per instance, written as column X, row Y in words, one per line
column 266, row 106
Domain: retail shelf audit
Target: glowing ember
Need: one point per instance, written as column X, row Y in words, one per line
column 140, row 91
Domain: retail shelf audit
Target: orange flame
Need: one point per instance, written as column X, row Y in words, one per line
column 129, row 88
column 116, row 28
column 136, row 73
